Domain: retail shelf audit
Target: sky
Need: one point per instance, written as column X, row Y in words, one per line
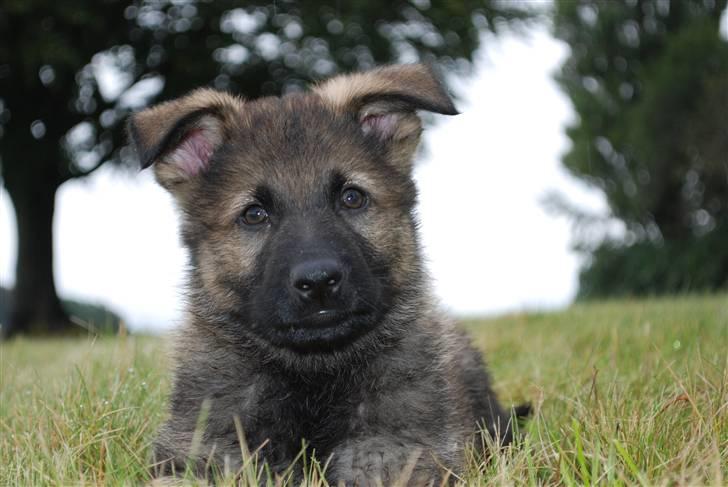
column 489, row 242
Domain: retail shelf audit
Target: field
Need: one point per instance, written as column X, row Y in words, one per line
column 625, row 392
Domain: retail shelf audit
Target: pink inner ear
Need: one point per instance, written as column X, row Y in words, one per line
column 192, row 156
column 382, row 124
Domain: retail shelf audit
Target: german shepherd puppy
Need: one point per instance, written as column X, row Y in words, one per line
column 310, row 317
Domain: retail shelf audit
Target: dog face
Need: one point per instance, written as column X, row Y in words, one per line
column 297, row 211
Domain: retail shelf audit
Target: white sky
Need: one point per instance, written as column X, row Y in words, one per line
column 491, row 246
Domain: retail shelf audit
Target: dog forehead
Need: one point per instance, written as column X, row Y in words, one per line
column 297, row 124
column 293, row 143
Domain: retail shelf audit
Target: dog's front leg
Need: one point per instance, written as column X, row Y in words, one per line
column 383, row 461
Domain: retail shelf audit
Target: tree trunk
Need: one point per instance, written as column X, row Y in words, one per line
column 34, row 305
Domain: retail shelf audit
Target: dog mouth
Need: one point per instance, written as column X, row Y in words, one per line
column 324, row 330
column 325, row 318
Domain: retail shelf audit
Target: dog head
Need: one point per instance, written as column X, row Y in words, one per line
column 297, row 211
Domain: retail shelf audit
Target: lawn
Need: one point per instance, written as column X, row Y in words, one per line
column 625, row 392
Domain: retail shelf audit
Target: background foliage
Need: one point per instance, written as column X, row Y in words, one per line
column 648, row 80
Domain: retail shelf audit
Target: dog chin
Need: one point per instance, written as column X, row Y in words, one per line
column 322, row 332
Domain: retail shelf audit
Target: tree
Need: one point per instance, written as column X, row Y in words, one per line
column 71, row 71
column 648, row 80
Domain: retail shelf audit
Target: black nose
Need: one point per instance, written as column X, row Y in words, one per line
column 317, row 279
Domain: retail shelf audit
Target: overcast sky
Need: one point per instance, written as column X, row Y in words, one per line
column 491, row 246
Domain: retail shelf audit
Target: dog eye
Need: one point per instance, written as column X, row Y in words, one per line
column 254, row 215
column 353, row 198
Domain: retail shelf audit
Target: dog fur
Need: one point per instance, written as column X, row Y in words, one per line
column 388, row 382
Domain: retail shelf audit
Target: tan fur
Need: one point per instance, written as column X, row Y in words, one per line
column 346, row 92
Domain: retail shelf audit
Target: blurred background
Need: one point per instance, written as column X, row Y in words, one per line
column 590, row 160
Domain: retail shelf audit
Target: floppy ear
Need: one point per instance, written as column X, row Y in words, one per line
column 385, row 102
column 180, row 136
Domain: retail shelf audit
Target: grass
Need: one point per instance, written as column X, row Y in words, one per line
column 625, row 392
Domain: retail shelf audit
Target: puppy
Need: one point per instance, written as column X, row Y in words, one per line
column 310, row 318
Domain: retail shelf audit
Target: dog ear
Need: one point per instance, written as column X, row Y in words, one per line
column 385, row 102
column 179, row 137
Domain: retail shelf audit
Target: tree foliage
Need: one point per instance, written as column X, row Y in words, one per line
column 71, row 71
column 649, row 82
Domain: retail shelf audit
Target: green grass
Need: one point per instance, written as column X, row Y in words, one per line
column 625, row 392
